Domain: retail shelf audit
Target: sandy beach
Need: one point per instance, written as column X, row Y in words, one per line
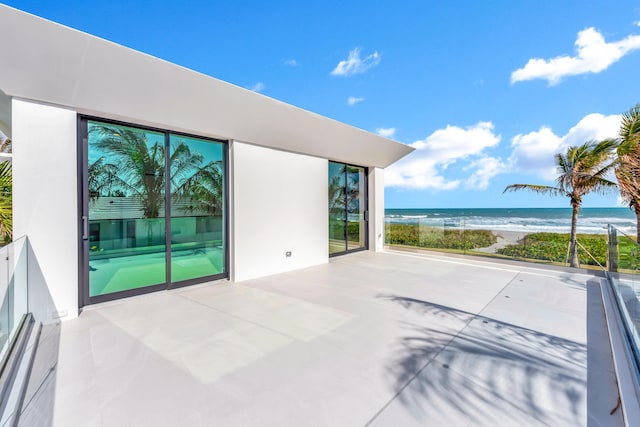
column 505, row 238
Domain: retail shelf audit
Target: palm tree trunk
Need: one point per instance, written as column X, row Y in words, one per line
column 573, row 247
column 636, row 207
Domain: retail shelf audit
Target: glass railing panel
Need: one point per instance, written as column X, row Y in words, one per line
column 624, row 267
column 500, row 238
column 13, row 290
column 414, row 232
column 6, row 298
column 442, row 234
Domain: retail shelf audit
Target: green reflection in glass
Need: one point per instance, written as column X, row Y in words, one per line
column 355, row 191
column 337, row 222
column 197, row 208
column 126, row 208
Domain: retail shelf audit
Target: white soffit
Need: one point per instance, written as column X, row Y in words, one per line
column 51, row 63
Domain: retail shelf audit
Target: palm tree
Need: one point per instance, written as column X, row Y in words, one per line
column 582, row 170
column 628, row 163
column 6, row 217
column 6, row 193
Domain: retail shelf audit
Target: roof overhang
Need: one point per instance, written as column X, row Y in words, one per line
column 50, row 63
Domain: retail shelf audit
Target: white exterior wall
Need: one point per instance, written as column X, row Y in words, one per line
column 376, row 209
column 45, row 197
column 279, row 204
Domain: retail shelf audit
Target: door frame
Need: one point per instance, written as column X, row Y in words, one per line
column 365, row 247
column 84, row 297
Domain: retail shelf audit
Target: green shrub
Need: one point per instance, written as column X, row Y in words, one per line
column 628, row 254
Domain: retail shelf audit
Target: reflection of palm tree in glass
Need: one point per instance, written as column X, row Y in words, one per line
column 203, row 189
column 137, row 169
column 101, row 176
column 341, row 195
column 336, row 195
column 344, row 202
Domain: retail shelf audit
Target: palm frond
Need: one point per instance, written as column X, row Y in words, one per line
column 543, row 189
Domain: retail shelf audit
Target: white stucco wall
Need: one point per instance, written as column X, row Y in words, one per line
column 376, row 209
column 45, row 204
column 279, row 204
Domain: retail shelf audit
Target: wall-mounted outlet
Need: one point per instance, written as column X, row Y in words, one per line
column 287, row 254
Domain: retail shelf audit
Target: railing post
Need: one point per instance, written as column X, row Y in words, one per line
column 612, row 249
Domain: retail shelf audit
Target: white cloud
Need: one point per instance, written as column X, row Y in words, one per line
column 534, row 152
column 593, row 55
column 258, row 87
column 356, row 65
column 352, row 100
column 291, row 62
column 485, row 169
column 425, row 168
column 386, row 132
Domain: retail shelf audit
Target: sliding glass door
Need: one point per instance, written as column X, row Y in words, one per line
column 153, row 210
column 197, row 209
column 348, row 216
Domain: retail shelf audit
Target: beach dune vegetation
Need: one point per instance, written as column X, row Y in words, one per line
column 438, row 238
column 581, row 170
column 553, row 247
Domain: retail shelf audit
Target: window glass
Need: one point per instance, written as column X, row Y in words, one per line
column 197, row 208
column 126, row 185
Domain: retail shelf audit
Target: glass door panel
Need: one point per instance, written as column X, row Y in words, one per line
column 356, row 205
column 347, row 208
column 197, row 208
column 126, row 224
column 337, row 221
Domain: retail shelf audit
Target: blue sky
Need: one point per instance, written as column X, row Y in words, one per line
column 487, row 91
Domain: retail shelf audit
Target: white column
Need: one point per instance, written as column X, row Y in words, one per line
column 376, row 209
column 45, row 203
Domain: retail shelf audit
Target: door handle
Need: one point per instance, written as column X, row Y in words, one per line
column 85, row 228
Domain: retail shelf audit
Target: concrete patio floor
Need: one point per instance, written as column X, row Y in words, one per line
column 380, row 339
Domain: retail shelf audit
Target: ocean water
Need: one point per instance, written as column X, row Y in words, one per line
column 555, row 220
